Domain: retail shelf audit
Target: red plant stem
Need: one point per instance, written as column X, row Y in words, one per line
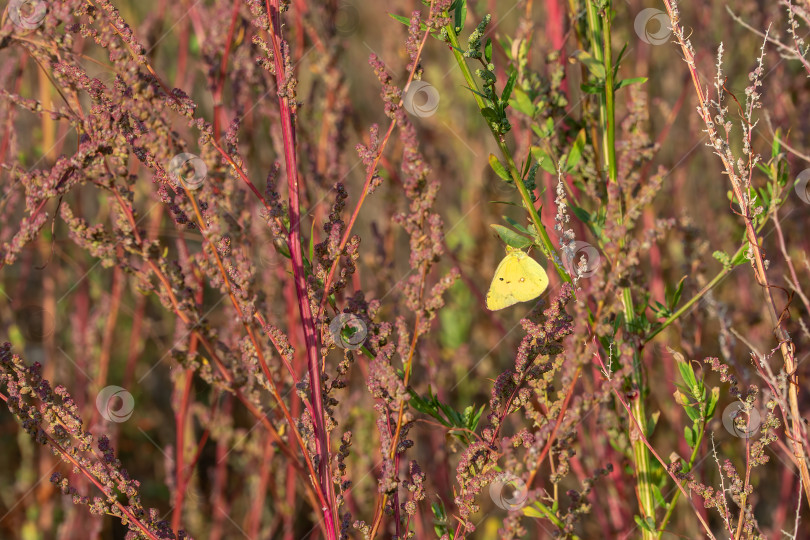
column 223, row 68
column 294, row 245
column 203, row 439
column 273, row 387
column 743, row 496
column 780, row 513
column 109, row 330
column 180, row 443
column 296, row 337
column 220, row 503
column 254, row 523
column 4, row 146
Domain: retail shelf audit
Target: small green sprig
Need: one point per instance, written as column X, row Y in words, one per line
column 474, row 41
column 460, row 424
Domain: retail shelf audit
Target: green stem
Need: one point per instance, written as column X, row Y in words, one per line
column 546, row 511
column 602, row 51
column 712, row 284
column 547, row 245
column 674, row 501
column 610, row 104
column 683, row 309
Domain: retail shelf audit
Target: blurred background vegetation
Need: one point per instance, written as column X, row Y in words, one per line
column 58, row 301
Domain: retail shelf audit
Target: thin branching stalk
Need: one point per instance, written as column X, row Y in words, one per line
column 786, row 346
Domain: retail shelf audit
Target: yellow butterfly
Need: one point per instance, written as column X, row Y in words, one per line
column 518, row 278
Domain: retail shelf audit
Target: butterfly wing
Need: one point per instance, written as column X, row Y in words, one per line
column 518, row 278
column 500, row 294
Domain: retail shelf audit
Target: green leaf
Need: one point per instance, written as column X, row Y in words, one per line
column 542, row 158
column 723, row 257
column 460, row 16
column 508, row 203
column 652, row 422
column 596, row 67
column 693, row 414
column 688, row 375
column 576, row 151
column 660, row 310
column 592, row 88
column 401, row 18
column 583, row 215
column 476, row 92
column 451, row 414
column 619, row 59
column 628, row 82
column 312, row 242
column 764, row 168
column 712, row 406
column 490, row 114
column 440, row 519
column 428, row 405
column 488, row 51
column 545, row 130
column 618, row 322
column 530, row 511
column 675, row 296
column 282, row 250
column 526, row 166
column 474, row 419
column 775, row 147
column 689, row 435
column 739, row 259
column 647, row 524
column 511, row 238
column 499, row 169
column 522, row 103
column 659, row 498
column 510, row 84
column 407, row 22
column 516, row 225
